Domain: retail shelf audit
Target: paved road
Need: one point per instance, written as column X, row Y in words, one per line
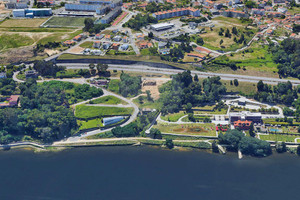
column 147, row 69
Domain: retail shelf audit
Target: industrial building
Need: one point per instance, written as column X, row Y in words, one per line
column 162, row 26
column 112, row 120
column 32, row 12
column 177, row 12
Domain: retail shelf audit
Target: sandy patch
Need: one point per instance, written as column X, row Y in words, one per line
column 51, row 52
column 77, row 49
column 153, row 88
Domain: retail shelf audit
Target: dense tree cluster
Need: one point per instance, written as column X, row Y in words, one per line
column 139, row 21
column 7, row 86
column 183, row 90
column 43, row 115
column 42, row 47
column 129, row 85
column 90, row 27
column 45, row 68
column 247, row 145
column 287, row 55
column 281, row 93
column 135, row 128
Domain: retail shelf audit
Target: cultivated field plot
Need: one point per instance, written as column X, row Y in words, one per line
column 23, row 22
column 65, row 22
column 87, row 112
column 206, row 129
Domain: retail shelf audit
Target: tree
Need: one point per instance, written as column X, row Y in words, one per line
column 101, row 68
column 169, row 143
column 149, row 98
column 231, row 82
column 236, row 82
column 260, row 86
column 298, row 150
column 141, row 99
column 191, row 117
column 280, row 147
column 251, row 130
column 196, row 79
column 234, row 31
column 88, row 24
column 214, row 146
column 200, row 41
column 150, row 35
column 155, row 133
column 221, row 42
column 188, row 108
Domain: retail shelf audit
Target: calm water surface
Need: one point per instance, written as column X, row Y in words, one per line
column 141, row 173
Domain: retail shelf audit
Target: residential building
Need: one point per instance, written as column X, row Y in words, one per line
column 177, row 12
column 115, row 46
column 144, row 44
column 243, row 125
column 31, row 74
column 99, row 36
column 117, row 38
column 124, row 47
column 282, row 10
column 245, row 116
column 106, row 45
column 125, row 39
column 12, row 101
column 69, row 43
column 111, row 15
column 234, row 13
column 256, row 11
column 140, row 36
column 97, row 44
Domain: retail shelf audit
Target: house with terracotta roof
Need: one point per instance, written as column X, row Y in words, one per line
column 107, row 37
column 115, row 46
column 144, row 44
column 77, row 38
column 11, row 101
column 97, row 44
column 68, row 43
column 243, row 125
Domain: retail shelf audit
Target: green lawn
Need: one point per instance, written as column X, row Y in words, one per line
column 200, row 145
column 279, row 137
column 207, row 129
column 244, row 88
column 114, row 85
column 94, row 123
column 66, row 21
column 14, row 41
column 86, row 112
column 88, row 44
column 173, row 117
column 112, row 100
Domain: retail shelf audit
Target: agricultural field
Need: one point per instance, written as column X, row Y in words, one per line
column 112, row 100
column 65, row 22
column 10, row 23
column 279, row 137
column 206, row 129
column 87, row 112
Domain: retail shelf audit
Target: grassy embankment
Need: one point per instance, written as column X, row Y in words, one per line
column 86, row 112
column 8, row 41
column 113, row 85
column 112, row 100
column 147, row 104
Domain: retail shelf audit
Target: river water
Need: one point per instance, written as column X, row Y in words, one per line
column 117, row 173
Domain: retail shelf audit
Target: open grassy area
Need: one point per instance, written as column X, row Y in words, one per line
column 59, row 37
column 86, row 112
column 66, row 22
column 147, row 104
column 14, row 41
column 279, row 137
column 199, row 145
column 173, row 117
column 244, row 88
column 114, row 85
column 206, row 129
column 94, row 123
column 36, row 22
column 212, row 38
column 112, row 100
column 223, row 111
column 88, row 44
